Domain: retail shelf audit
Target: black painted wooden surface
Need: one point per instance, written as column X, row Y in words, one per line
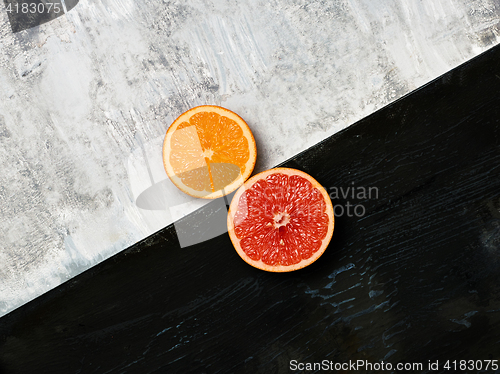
column 415, row 279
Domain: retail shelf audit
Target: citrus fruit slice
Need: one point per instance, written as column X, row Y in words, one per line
column 209, row 152
column 280, row 220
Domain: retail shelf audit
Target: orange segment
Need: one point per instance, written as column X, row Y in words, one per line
column 209, row 151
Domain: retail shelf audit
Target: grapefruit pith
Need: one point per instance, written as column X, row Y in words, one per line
column 280, row 220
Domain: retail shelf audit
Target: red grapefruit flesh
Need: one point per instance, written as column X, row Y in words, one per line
column 280, row 220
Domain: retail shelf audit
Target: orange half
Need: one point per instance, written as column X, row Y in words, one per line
column 209, row 151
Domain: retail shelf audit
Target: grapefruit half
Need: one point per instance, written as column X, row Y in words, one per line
column 280, row 220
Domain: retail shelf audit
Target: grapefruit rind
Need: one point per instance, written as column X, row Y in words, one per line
column 279, row 268
column 249, row 166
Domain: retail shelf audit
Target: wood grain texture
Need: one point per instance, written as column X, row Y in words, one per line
column 86, row 100
column 414, row 279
